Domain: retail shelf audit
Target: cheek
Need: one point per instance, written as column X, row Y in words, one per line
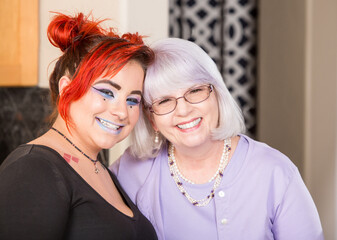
column 162, row 122
column 134, row 115
column 93, row 102
column 213, row 108
column 96, row 105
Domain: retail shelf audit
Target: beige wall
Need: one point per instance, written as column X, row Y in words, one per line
column 297, row 93
column 148, row 17
column 47, row 52
column 281, row 76
column 321, row 110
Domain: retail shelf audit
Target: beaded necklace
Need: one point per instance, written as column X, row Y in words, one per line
column 176, row 175
column 94, row 161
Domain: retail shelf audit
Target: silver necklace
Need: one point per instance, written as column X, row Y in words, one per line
column 176, row 175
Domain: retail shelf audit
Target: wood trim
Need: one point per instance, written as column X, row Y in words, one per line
column 19, row 48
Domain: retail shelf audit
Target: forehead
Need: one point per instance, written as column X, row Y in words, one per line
column 171, row 90
column 169, row 85
column 130, row 76
column 178, row 92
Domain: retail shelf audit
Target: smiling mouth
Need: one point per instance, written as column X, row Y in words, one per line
column 109, row 124
column 190, row 124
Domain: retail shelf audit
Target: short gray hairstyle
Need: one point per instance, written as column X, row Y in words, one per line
column 181, row 64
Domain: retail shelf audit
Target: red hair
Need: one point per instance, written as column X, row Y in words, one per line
column 89, row 51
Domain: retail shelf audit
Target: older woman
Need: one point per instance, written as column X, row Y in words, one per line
column 54, row 187
column 194, row 174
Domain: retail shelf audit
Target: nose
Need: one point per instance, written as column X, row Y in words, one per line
column 119, row 109
column 183, row 107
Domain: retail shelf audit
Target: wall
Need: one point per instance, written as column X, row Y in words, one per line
column 281, row 76
column 321, row 110
column 148, row 17
column 297, row 93
column 47, row 52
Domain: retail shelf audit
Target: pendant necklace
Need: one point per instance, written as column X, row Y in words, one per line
column 92, row 160
column 176, row 175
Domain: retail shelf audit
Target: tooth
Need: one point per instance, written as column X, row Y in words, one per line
column 189, row 125
column 108, row 125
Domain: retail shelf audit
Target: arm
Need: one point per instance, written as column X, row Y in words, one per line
column 32, row 203
column 297, row 217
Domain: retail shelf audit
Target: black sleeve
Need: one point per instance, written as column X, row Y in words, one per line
column 34, row 202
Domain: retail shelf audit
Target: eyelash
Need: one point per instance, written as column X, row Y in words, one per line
column 109, row 94
column 132, row 101
column 195, row 90
column 164, row 101
column 105, row 92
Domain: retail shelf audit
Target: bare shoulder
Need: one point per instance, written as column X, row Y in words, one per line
column 49, row 140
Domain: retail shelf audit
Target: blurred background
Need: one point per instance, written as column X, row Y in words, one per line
column 278, row 59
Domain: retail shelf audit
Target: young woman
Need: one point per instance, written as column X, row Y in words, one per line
column 194, row 174
column 54, row 187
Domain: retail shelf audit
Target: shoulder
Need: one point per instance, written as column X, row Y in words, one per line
column 133, row 173
column 32, row 156
column 129, row 165
column 267, row 154
column 32, row 163
column 273, row 172
column 268, row 161
column 35, row 189
column 132, row 164
column 33, row 169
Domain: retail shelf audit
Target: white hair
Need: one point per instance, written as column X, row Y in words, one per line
column 180, row 64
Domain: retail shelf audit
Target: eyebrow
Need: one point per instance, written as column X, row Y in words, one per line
column 137, row 92
column 115, row 85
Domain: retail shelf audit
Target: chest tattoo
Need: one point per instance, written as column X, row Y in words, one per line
column 68, row 158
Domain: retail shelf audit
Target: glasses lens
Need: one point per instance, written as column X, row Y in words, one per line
column 164, row 106
column 197, row 94
column 194, row 95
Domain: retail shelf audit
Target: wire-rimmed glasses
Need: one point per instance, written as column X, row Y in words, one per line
column 194, row 95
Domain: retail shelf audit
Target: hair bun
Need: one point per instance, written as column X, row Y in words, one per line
column 65, row 31
column 133, row 38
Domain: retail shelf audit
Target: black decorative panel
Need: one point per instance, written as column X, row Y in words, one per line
column 226, row 30
column 23, row 116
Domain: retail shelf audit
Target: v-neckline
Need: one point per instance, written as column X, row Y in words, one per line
column 123, row 195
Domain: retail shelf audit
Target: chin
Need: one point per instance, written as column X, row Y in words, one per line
column 195, row 140
column 107, row 144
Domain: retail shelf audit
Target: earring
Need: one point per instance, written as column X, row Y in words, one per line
column 156, row 137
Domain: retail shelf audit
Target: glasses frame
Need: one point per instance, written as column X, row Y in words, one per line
column 210, row 87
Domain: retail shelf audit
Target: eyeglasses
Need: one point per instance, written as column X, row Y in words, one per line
column 194, row 95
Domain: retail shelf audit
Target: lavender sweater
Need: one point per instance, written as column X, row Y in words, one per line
column 261, row 196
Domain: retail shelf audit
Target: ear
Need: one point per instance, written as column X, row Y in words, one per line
column 64, row 81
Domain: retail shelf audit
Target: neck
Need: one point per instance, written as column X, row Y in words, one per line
column 75, row 138
column 199, row 156
column 200, row 165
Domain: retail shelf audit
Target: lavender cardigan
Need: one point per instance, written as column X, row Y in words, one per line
column 261, row 196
